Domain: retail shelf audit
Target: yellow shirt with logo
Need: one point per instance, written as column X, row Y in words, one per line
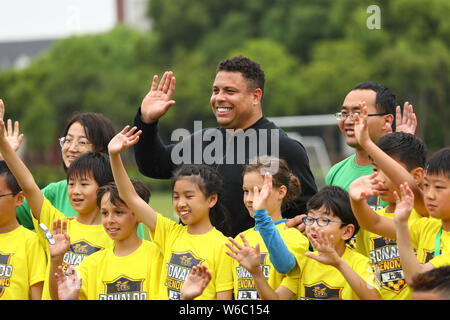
column 22, row 263
column 384, row 256
column 423, row 234
column 84, row 239
column 318, row 281
column 181, row 251
column 132, row 277
column 244, row 286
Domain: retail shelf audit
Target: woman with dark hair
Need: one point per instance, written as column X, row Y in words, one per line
column 84, row 132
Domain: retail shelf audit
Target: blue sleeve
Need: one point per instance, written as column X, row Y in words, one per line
column 280, row 256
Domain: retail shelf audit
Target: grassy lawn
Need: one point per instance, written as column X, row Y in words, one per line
column 161, row 202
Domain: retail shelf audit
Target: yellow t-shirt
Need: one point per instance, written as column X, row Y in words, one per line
column 181, row 251
column 244, row 286
column 84, row 239
column 132, row 277
column 22, row 263
column 423, row 234
column 384, row 256
column 318, row 281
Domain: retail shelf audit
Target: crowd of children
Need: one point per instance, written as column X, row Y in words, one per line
column 101, row 254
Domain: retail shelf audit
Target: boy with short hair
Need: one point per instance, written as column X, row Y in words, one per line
column 85, row 175
column 431, row 237
column 398, row 157
column 334, row 271
column 22, row 258
column 127, row 271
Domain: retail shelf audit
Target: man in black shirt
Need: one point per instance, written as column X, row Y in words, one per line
column 244, row 133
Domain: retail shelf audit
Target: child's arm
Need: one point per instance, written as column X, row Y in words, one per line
column 328, row 255
column 393, row 170
column 280, row 256
column 68, row 287
column 410, row 264
column 250, row 259
column 20, row 171
column 36, row 291
column 195, row 283
column 360, row 189
column 57, row 251
column 121, row 142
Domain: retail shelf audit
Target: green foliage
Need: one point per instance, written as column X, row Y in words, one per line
column 313, row 53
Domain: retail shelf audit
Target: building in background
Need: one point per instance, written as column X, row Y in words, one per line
column 28, row 28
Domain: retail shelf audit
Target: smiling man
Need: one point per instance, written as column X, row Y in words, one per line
column 381, row 104
column 236, row 102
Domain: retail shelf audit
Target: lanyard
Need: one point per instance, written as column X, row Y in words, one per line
column 437, row 244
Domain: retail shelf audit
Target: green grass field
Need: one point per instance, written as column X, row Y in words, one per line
column 161, row 202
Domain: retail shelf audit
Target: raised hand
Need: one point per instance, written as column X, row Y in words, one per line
column 12, row 135
column 364, row 187
column 62, row 239
column 68, row 287
column 403, row 206
column 195, row 283
column 156, row 103
column 123, row 140
column 248, row 257
column 2, row 123
column 407, row 123
column 361, row 128
column 260, row 197
column 324, row 244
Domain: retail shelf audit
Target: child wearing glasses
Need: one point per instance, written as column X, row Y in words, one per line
column 22, row 258
column 332, row 271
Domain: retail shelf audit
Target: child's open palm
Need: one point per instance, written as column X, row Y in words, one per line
column 248, row 257
column 195, row 283
column 260, row 197
column 403, row 206
column 68, row 287
column 364, row 187
column 324, row 244
column 62, row 239
column 124, row 139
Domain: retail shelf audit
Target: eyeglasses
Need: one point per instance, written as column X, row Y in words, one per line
column 342, row 116
column 7, row 194
column 321, row 221
column 66, row 142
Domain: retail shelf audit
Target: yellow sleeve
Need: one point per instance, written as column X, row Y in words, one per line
column 37, row 262
column 224, row 275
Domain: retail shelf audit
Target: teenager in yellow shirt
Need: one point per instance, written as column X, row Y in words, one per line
column 279, row 246
column 129, row 270
column 84, row 176
column 197, row 200
column 22, row 258
column 431, row 237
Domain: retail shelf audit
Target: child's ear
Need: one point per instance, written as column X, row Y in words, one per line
column 348, row 232
column 282, row 191
column 418, row 174
column 19, row 198
column 212, row 199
